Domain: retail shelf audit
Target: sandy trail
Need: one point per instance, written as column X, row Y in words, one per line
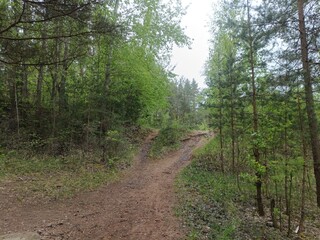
column 138, row 207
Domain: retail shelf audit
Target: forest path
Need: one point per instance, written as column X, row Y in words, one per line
column 138, row 207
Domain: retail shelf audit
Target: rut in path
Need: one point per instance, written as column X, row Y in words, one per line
column 139, row 207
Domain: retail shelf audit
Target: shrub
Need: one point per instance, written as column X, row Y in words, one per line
column 168, row 139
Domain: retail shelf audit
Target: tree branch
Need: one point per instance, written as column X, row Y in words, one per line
column 73, row 58
column 57, row 16
column 57, row 36
column 17, row 21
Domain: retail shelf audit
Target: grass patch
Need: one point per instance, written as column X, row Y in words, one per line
column 65, row 184
column 58, row 177
column 207, row 203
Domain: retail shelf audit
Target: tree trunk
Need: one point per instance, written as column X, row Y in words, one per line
column 220, row 132
column 55, row 77
column 107, row 82
column 14, row 123
column 304, row 151
column 286, row 165
column 38, row 100
column 256, row 152
column 289, row 205
column 24, row 76
column 63, row 79
column 273, row 215
column 233, row 126
column 312, row 118
column 17, row 107
column 110, row 53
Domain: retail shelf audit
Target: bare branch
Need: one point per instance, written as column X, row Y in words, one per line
column 61, row 62
column 55, row 36
column 57, row 16
column 17, row 21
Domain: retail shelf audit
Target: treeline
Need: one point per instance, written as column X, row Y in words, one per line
column 263, row 79
column 73, row 71
column 185, row 104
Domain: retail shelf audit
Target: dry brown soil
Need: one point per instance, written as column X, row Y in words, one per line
column 138, row 207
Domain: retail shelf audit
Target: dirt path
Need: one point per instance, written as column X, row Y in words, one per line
column 139, row 207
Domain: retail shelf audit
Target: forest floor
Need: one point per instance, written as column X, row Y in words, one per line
column 138, row 206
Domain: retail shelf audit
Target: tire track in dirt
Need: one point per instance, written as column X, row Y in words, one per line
column 138, row 207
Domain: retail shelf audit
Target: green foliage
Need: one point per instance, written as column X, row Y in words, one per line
column 207, row 203
column 140, row 85
column 185, row 103
column 81, row 76
column 257, row 107
column 207, row 156
column 169, row 138
column 44, row 175
column 56, row 177
column 117, row 148
column 213, row 207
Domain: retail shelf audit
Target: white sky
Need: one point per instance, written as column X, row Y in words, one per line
column 190, row 63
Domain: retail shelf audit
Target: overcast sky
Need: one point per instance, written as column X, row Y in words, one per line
column 190, row 63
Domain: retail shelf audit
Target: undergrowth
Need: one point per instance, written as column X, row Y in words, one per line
column 212, row 206
column 206, row 203
column 47, row 176
column 56, row 177
column 168, row 139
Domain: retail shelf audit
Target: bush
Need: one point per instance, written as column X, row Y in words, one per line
column 168, row 139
